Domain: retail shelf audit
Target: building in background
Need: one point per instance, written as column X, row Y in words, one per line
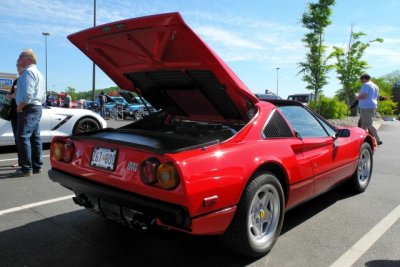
column 6, row 80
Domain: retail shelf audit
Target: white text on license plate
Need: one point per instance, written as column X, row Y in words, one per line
column 103, row 158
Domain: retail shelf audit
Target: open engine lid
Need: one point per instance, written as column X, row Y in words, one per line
column 161, row 58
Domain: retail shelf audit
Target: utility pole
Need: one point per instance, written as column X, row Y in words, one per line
column 45, row 34
column 94, row 65
column 277, row 81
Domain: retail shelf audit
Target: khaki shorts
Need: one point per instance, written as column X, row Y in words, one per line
column 366, row 116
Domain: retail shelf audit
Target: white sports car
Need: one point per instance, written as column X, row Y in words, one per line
column 55, row 121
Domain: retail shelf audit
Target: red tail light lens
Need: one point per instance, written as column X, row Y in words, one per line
column 148, row 170
column 68, row 151
column 164, row 175
column 167, row 176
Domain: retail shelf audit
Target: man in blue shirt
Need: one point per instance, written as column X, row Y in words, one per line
column 29, row 98
column 368, row 102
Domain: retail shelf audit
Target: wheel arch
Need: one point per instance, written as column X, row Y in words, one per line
column 99, row 124
column 368, row 139
column 278, row 170
column 238, row 237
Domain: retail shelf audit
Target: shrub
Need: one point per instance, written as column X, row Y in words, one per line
column 386, row 107
column 330, row 108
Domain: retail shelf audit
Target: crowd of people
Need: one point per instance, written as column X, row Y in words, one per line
column 65, row 101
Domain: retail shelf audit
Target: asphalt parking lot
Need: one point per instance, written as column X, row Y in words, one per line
column 41, row 226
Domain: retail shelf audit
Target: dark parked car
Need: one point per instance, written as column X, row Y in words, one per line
column 267, row 96
column 302, row 98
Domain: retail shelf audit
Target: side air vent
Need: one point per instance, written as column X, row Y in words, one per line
column 277, row 127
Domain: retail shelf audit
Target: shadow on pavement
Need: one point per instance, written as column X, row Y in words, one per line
column 383, row 263
column 309, row 209
column 81, row 238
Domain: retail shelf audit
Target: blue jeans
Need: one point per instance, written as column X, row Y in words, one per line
column 102, row 111
column 29, row 144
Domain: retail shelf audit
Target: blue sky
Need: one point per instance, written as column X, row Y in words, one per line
column 252, row 37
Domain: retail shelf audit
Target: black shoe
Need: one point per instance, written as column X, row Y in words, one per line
column 19, row 173
column 380, row 143
column 37, row 171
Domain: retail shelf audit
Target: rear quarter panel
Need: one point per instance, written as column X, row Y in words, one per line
column 225, row 170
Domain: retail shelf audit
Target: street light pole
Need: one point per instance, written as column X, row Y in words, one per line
column 45, row 34
column 277, row 81
column 94, row 65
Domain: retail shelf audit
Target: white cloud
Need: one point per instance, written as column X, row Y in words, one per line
column 227, row 38
column 385, row 55
column 46, row 11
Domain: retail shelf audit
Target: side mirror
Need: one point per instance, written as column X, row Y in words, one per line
column 342, row 133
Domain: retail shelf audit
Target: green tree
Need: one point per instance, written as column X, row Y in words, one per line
column 388, row 106
column 385, row 87
column 84, row 95
column 315, row 68
column 89, row 94
column 72, row 92
column 392, row 77
column 349, row 65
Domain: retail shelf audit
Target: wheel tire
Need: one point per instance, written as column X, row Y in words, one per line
column 259, row 217
column 137, row 115
column 86, row 125
column 362, row 174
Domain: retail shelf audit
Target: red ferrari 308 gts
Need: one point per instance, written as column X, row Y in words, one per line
column 214, row 160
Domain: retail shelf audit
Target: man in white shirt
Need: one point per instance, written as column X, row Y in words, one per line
column 29, row 99
column 368, row 102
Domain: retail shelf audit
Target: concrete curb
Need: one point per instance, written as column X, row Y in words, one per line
column 377, row 124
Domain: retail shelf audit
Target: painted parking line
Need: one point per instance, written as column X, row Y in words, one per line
column 32, row 205
column 4, row 160
column 359, row 248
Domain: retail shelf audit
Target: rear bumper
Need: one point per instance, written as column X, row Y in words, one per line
column 118, row 204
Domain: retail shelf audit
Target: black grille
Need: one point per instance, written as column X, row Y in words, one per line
column 277, row 127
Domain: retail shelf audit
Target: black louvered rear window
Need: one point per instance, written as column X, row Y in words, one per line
column 277, row 127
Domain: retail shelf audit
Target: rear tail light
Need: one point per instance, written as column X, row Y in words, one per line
column 167, row 176
column 68, row 151
column 56, row 150
column 163, row 175
column 148, row 171
column 62, row 150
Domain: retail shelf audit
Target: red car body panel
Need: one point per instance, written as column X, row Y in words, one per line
column 159, row 42
column 213, row 173
column 309, row 170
